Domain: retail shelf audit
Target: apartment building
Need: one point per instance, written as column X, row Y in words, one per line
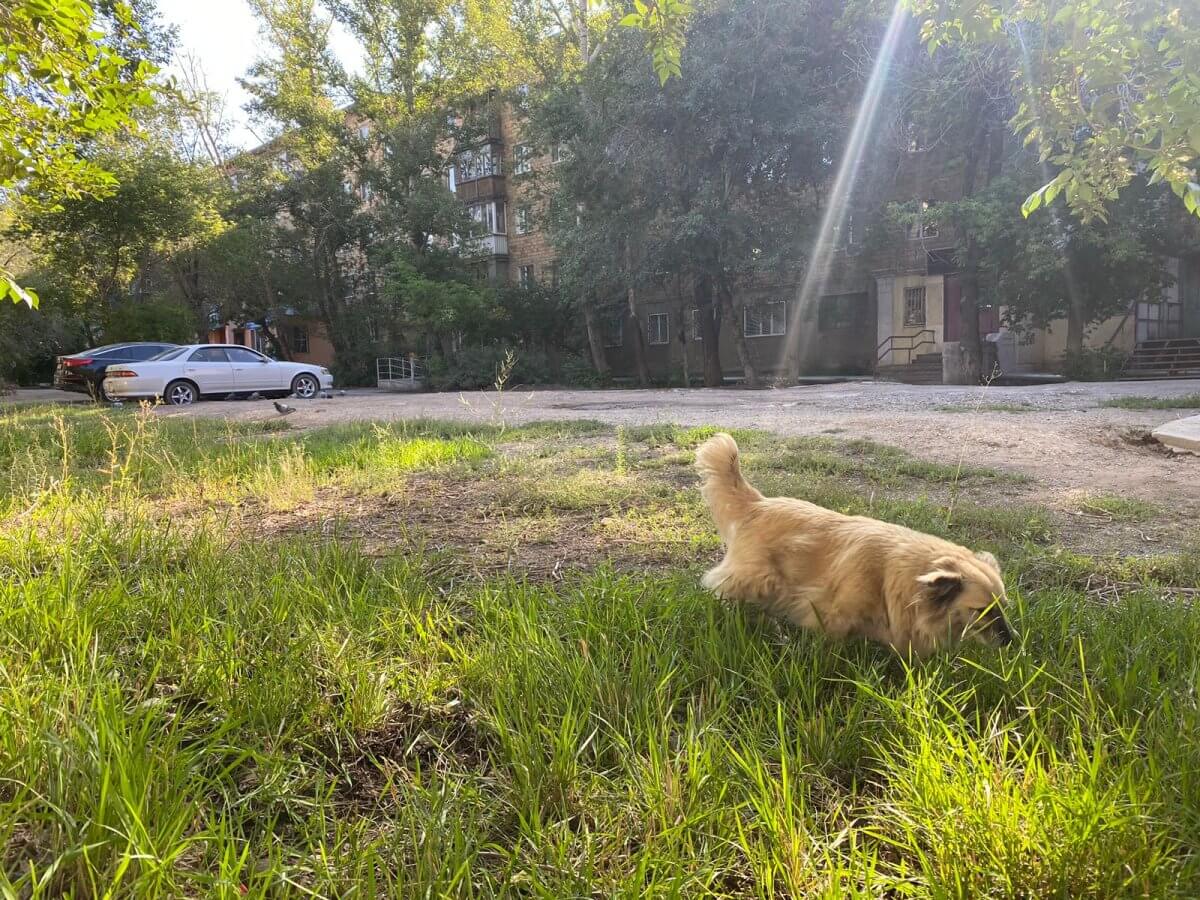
column 889, row 309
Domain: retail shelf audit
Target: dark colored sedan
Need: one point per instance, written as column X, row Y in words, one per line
column 84, row 371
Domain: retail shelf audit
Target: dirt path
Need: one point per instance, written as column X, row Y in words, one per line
column 1058, row 434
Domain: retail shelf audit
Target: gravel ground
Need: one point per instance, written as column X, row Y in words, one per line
column 1056, row 433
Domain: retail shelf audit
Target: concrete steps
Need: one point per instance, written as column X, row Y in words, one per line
column 1167, row 358
column 926, row 368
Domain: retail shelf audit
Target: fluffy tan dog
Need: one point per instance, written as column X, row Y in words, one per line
column 846, row 575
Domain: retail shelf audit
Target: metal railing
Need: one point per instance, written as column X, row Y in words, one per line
column 403, row 372
column 915, row 342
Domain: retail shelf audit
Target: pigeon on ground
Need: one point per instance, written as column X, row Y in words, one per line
column 283, row 409
column 341, row 393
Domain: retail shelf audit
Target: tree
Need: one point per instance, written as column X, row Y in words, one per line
column 123, row 246
column 1107, row 89
column 71, row 74
column 1057, row 267
column 716, row 179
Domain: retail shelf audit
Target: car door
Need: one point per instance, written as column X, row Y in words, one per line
column 211, row 369
column 253, row 371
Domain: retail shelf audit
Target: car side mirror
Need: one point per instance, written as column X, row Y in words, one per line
column 264, row 361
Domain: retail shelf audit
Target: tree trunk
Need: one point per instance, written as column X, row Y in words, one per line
column 710, row 333
column 682, row 331
column 969, row 341
column 635, row 323
column 1076, row 322
column 595, row 339
column 734, row 314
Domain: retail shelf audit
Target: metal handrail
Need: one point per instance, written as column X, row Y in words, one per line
column 889, row 343
column 390, row 369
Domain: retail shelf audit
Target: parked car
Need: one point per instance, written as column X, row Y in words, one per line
column 83, row 372
column 194, row 371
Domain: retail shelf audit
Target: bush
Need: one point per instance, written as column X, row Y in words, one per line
column 1102, row 364
column 479, row 368
column 578, row 371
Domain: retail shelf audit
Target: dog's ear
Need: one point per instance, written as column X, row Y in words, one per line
column 987, row 559
column 941, row 585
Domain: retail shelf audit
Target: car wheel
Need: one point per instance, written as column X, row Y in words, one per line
column 180, row 393
column 305, row 386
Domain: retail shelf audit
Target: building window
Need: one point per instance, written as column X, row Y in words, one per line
column 614, row 330
column 525, row 276
column 559, row 153
column 554, row 275
column 364, row 191
column 521, row 220
column 348, row 186
column 914, row 307
column 364, row 131
column 299, row 339
column 923, row 226
column 840, row 311
column 695, row 323
column 490, row 215
column 658, row 328
column 482, row 163
column 765, row 319
column 522, row 159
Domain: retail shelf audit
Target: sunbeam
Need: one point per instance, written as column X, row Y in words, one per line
column 834, row 218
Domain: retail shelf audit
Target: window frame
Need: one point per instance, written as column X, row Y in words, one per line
column 521, row 220
column 522, row 159
column 665, row 317
column 782, row 332
column 910, row 320
column 836, row 319
column 525, row 276
column 258, row 357
column 192, row 357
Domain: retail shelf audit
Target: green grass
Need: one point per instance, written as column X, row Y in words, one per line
column 988, row 407
column 1187, row 401
column 188, row 709
column 1119, row 509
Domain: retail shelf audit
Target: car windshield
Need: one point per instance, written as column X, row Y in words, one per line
column 167, row 354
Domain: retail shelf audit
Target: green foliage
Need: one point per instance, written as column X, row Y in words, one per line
column 1106, row 88
column 665, row 24
column 156, row 319
column 101, row 250
column 1093, row 364
column 69, row 78
column 478, row 368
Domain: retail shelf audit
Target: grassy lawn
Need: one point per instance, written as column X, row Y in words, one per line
column 432, row 660
column 1188, row 401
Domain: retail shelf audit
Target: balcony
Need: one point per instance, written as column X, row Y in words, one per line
column 488, row 245
column 489, row 187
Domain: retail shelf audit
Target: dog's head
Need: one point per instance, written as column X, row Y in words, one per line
column 963, row 598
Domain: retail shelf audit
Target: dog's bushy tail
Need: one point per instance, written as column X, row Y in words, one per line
column 728, row 495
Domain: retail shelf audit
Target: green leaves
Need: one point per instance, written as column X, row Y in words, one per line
column 1047, row 193
column 1110, row 94
column 10, row 288
column 664, row 23
column 66, row 83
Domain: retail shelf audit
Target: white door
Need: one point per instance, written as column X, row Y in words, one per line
column 211, row 369
column 253, row 371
